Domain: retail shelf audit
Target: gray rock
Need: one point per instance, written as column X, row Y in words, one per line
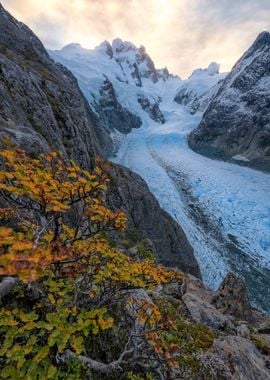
column 152, row 108
column 232, row 298
column 113, row 114
column 197, row 298
column 203, row 312
column 237, row 120
column 243, row 330
column 41, row 103
column 242, row 358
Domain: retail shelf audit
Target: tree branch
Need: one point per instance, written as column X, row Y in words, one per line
column 95, row 365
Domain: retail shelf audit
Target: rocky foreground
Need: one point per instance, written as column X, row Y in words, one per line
column 221, row 335
column 42, row 108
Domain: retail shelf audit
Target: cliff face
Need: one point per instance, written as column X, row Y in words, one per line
column 42, row 108
column 41, row 103
column 236, row 122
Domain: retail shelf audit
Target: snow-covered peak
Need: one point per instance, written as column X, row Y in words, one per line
column 262, row 41
column 211, row 70
column 137, row 84
column 105, row 47
column 72, row 47
column 200, row 87
column 119, row 46
column 72, row 50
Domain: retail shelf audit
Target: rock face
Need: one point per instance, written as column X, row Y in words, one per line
column 112, row 115
column 41, row 103
column 241, row 357
column 152, row 109
column 198, row 301
column 43, row 108
column 233, row 299
column 236, row 123
column 239, row 350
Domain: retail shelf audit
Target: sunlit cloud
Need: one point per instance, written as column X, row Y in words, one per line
column 180, row 34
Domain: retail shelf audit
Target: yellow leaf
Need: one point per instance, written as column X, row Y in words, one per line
column 22, row 245
column 5, row 232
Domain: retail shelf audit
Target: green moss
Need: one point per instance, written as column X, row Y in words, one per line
column 144, row 252
column 133, row 236
column 192, row 338
column 260, row 343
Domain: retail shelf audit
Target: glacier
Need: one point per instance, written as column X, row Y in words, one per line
column 223, row 208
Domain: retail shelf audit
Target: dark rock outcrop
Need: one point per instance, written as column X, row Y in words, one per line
column 233, row 299
column 115, row 116
column 42, row 108
column 152, row 108
column 236, row 123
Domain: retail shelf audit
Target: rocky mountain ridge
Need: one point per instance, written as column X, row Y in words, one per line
column 236, row 124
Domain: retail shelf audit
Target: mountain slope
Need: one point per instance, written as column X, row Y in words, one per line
column 202, row 85
column 41, row 104
column 236, row 123
column 120, row 82
column 43, row 108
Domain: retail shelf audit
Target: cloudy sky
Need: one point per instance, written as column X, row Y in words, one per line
column 180, row 34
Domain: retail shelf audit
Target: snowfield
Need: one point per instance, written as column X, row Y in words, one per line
column 223, row 208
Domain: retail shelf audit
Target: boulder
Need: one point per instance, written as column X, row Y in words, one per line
column 242, row 358
column 232, row 298
column 203, row 312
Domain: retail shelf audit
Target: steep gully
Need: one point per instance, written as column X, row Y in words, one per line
column 223, row 208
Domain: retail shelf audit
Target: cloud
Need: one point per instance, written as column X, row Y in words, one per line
column 181, row 34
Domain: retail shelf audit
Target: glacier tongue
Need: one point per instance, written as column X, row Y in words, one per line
column 223, row 208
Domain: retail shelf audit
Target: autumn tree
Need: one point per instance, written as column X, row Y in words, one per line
column 65, row 275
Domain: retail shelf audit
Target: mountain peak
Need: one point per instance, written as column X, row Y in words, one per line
column 262, row 39
column 18, row 37
column 72, row 45
column 261, row 42
column 106, row 47
column 212, row 69
column 119, row 46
